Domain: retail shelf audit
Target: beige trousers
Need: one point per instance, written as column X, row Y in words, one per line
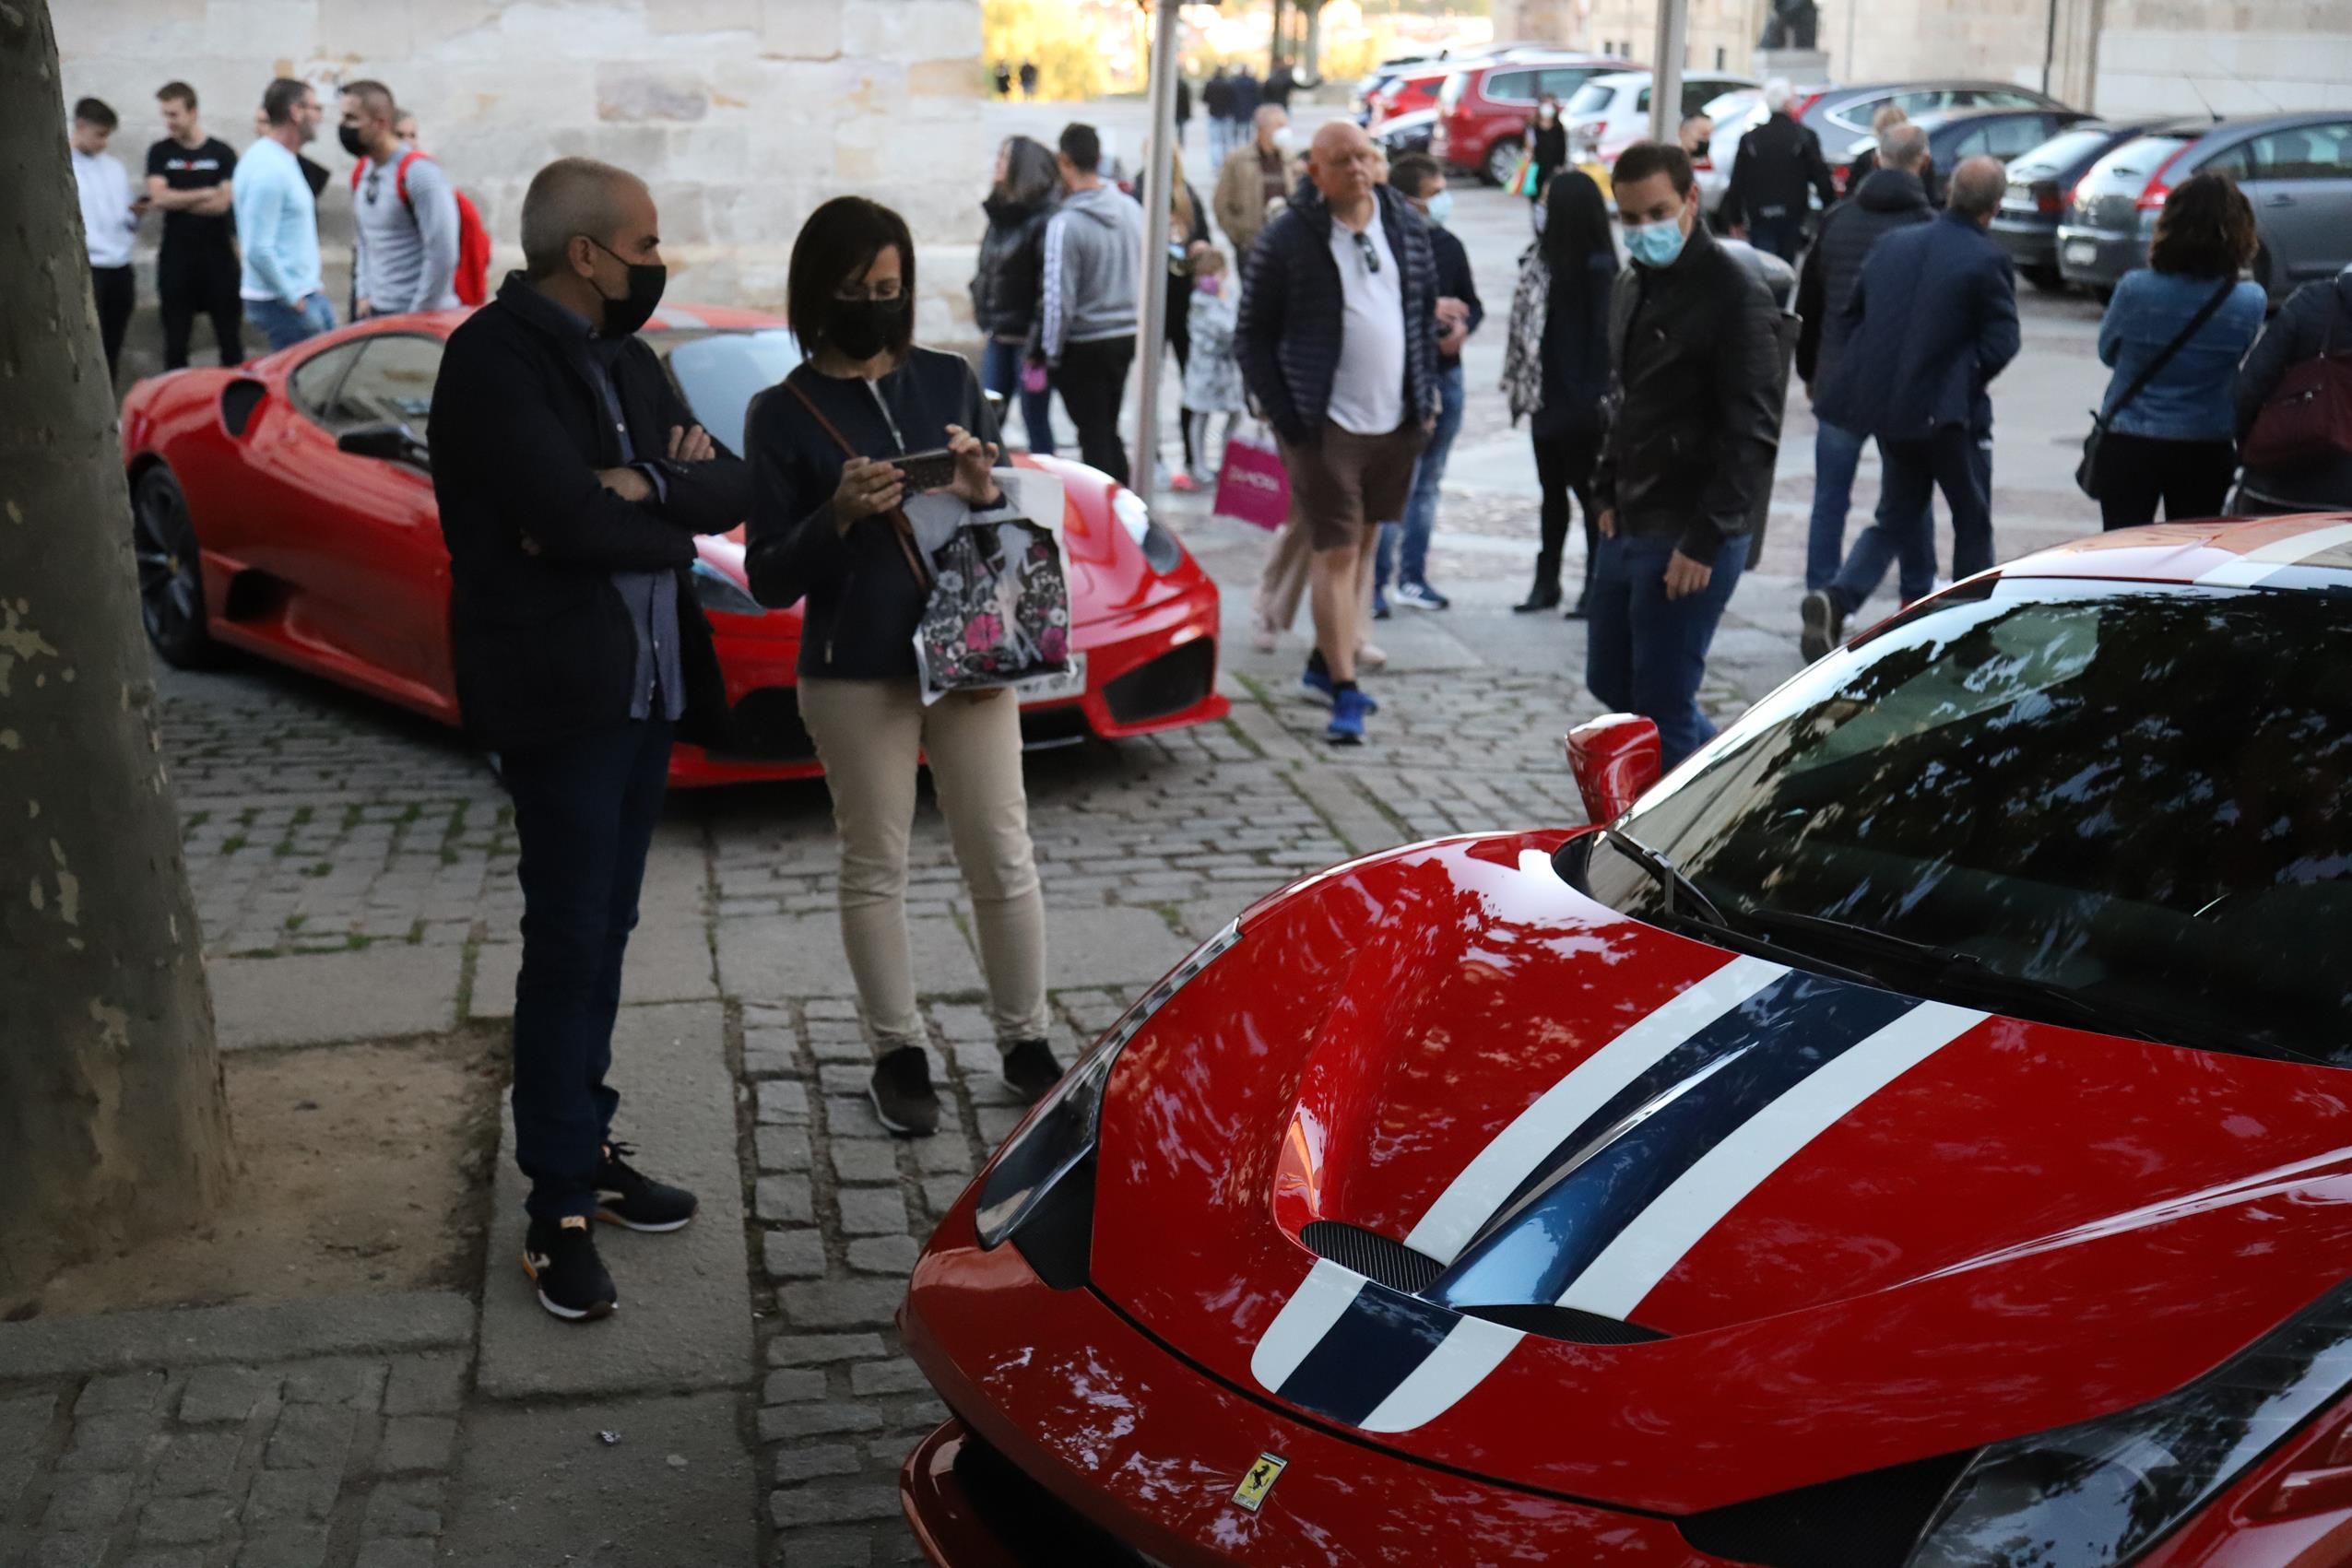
column 1283, row 585
column 869, row 735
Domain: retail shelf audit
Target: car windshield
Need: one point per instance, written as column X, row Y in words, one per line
column 2058, row 154
column 2127, row 169
column 2087, row 801
column 1593, row 97
column 720, row 372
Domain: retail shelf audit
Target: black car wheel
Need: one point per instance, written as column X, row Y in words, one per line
column 164, row 539
column 1501, row 158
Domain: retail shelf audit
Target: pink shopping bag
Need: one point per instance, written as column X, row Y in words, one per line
column 1251, row 484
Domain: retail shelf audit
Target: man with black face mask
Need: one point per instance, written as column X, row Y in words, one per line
column 572, row 481
column 405, row 214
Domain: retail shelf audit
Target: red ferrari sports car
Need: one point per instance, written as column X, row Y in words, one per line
column 1915, row 1134
column 286, row 508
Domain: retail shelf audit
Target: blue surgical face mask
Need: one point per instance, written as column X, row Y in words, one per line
column 1655, row 245
column 1440, row 207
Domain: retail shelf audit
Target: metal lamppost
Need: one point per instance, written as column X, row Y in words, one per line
column 1666, row 70
column 1158, row 180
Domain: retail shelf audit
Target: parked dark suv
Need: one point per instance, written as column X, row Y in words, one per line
column 2295, row 168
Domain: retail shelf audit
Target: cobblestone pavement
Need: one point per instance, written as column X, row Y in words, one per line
column 337, row 1462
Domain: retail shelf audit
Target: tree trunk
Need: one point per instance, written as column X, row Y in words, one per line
column 112, row 1122
column 1311, row 57
column 1274, row 50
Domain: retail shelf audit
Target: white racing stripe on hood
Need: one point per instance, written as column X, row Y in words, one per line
column 1471, row 1350
column 1488, row 1180
column 1614, row 1283
column 2266, row 561
column 1303, row 1321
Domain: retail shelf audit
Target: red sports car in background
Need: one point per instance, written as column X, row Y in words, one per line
column 1916, row 1134
column 285, row 507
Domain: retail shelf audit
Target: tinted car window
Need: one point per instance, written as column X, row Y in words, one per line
column 2059, row 154
column 720, row 372
column 1562, row 83
column 2306, row 152
column 2124, row 805
column 2237, row 162
column 1971, row 142
column 392, row 384
column 314, row 381
column 2006, row 139
column 1514, row 87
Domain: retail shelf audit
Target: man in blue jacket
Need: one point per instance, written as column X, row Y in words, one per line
column 1932, row 320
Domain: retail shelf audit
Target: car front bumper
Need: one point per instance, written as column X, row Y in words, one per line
column 1078, row 1436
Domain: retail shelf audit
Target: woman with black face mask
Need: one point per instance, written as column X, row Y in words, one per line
column 829, row 526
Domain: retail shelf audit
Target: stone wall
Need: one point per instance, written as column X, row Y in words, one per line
column 743, row 115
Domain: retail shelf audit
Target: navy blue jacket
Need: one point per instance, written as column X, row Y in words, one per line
column 1932, row 320
column 1288, row 341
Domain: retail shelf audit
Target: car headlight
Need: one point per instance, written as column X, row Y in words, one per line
column 1160, row 551
column 2102, row 1493
column 1061, row 1131
column 718, row 593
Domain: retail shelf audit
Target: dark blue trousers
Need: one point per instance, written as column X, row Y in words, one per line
column 1647, row 653
column 584, row 810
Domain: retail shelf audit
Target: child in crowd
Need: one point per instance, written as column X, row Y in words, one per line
column 1212, row 378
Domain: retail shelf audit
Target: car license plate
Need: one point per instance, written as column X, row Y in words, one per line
column 2081, row 253
column 1057, row 687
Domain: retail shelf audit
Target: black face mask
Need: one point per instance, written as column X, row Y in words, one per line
column 633, row 309
column 349, row 135
column 863, row 328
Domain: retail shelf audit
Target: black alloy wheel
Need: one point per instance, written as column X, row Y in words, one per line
column 163, row 541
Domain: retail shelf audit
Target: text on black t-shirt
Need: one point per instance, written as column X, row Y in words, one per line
column 198, row 169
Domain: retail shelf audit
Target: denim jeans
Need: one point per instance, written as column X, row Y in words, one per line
column 1428, row 477
column 285, row 325
column 1000, row 368
column 584, row 810
column 1646, row 652
column 1836, row 453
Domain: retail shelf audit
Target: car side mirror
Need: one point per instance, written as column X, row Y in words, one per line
column 385, row 442
column 1614, row 759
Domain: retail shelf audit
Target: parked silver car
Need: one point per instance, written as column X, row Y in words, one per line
column 2295, row 168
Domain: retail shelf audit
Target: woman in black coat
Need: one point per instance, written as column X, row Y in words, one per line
column 830, row 528
column 1547, row 147
column 1556, row 368
column 1006, row 288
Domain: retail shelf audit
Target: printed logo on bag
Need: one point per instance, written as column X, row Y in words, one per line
column 1255, row 480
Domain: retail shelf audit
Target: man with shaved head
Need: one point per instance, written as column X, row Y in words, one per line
column 572, row 481
column 404, row 211
column 1338, row 343
column 1930, row 321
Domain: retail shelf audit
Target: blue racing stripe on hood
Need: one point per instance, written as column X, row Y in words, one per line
column 1603, row 1175
column 1375, row 1346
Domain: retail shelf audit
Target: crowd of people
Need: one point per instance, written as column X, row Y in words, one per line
column 239, row 231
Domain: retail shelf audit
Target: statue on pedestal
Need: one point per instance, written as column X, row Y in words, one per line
column 1791, row 25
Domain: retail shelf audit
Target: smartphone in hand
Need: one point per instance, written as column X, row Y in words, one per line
column 924, row 471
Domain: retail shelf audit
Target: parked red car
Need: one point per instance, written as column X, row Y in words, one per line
column 286, row 508
column 1913, row 1133
column 1415, row 89
column 1484, row 109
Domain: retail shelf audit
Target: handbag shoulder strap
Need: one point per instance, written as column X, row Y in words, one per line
column 903, row 530
column 2155, row 367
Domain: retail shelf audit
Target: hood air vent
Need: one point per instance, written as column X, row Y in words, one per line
column 1399, row 1266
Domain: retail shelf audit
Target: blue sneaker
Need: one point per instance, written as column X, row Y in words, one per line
column 1348, row 710
column 1317, row 682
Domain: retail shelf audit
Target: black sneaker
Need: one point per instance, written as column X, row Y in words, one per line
column 1030, row 1067
column 901, row 1091
column 625, row 1195
column 1824, row 625
column 561, row 1260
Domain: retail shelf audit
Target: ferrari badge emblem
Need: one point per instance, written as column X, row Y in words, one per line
column 1260, row 1480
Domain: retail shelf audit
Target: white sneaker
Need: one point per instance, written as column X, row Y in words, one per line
column 1370, row 657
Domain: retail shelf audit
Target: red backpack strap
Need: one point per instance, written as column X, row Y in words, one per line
column 400, row 179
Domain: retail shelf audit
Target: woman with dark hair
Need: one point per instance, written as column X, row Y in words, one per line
column 1547, row 148
column 2174, row 332
column 830, row 527
column 1556, row 368
column 1006, row 295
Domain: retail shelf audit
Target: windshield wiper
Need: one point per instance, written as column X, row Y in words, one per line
column 1865, row 938
column 1671, row 880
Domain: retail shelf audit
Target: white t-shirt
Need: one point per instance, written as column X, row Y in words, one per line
column 1368, row 387
column 108, row 226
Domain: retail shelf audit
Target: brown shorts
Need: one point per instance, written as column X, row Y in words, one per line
column 1347, row 484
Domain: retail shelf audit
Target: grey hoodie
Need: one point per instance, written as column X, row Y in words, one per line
column 1093, row 254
